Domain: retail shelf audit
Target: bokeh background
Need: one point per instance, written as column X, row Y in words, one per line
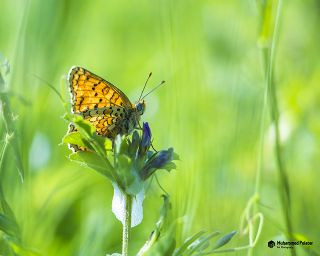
column 210, row 110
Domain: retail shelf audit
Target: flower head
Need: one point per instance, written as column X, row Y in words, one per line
column 128, row 161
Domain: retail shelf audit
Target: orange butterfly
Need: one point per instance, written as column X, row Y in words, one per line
column 103, row 104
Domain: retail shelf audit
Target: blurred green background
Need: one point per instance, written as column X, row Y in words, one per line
column 210, row 110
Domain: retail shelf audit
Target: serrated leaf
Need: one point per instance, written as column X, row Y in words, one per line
column 224, row 240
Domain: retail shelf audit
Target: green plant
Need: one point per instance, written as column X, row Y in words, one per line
column 11, row 242
column 127, row 162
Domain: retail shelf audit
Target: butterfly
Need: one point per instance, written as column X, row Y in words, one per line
column 104, row 105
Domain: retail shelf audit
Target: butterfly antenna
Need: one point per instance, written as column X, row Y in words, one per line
column 145, row 84
column 155, row 88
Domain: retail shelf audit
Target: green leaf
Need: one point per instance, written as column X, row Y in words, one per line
column 86, row 136
column 107, row 145
column 128, row 175
column 121, row 145
column 204, row 241
column 15, row 145
column 6, row 207
column 188, row 242
column 124, row 164
column 123, row 169
column 94, row 162
column 84, row 124
column 165, row 246
column 11, row 137
column 9, row 226
column 224, row 240
column 76, row 139
column 11, row 133
column 135, row 186
column 201, row 243
column 155, row 234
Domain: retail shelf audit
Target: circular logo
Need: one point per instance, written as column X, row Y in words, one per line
column 271, row 244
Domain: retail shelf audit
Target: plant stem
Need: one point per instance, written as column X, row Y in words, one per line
column 126, row 225
column 284, row 188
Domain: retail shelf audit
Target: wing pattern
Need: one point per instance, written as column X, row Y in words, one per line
column 89, row 91
column 99, row 102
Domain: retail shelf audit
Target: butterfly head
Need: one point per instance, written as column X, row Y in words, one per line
column 140, row 107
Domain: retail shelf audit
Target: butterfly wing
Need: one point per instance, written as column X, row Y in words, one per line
column 109, row 121
column 99, row 102
column 89, row 91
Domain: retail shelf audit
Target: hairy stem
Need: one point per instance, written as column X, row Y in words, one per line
column 126, row 225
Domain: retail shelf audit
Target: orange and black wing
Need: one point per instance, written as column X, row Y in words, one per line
column 89, row 91
column 99, row 102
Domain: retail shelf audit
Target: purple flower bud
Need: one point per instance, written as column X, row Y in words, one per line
column 146, row 135
column 158, row 161
column 145, row 139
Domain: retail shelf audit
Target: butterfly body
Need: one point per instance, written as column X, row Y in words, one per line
column 103, row 104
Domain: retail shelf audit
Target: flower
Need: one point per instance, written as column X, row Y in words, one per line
column 127, row 161
column 144, row 162
column 160, row 160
